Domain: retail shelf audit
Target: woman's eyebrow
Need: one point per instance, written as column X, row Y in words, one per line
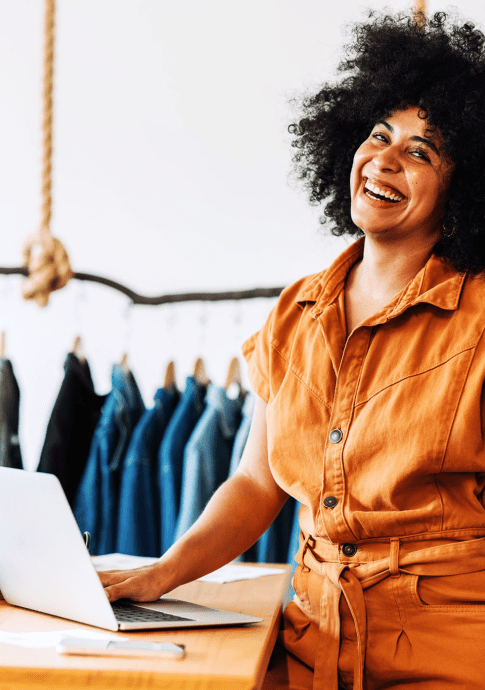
column 428, row 142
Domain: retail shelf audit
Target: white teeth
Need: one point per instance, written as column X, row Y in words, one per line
column 377, row 190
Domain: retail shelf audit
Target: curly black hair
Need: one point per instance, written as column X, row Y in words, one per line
column 395, row 61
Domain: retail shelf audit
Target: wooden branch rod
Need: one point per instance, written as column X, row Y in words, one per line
column 135, row 298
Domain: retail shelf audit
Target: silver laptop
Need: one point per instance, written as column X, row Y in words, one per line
column 45, row 566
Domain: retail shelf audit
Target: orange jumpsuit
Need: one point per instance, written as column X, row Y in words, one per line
column 381, row 437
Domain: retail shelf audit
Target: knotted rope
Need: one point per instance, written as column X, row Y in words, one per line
column 419, row 12
column 45, row 256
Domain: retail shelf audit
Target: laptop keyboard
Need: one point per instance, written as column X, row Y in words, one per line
column 128, row 613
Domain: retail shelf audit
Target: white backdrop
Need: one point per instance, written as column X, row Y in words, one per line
column 171, row 173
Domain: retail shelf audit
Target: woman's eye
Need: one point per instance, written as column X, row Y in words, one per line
column 381, row 137
column 420, row 154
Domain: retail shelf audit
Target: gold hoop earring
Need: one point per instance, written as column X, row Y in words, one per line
column 447, row 234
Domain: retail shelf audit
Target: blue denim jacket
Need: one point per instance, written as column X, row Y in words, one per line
column 294, row 538
column 208, row 455
column 273, row 546
column 249, row 556
column 96, row 503
column 139, row 502
column 242, row 432
column 171, row 454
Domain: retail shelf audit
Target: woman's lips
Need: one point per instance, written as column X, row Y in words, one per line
column 380, row 193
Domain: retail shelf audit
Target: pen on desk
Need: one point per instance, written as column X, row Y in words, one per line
column 87, row 539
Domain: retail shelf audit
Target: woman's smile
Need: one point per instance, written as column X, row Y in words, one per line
column 382, row 192
column 400, row 177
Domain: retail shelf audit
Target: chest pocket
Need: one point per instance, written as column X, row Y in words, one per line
column 410, row 388
column 412, row 379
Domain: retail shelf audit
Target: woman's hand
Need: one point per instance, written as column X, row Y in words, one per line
column 138, row 584
column 238, row 513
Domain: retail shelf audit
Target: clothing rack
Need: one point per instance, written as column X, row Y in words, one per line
column 135, row 298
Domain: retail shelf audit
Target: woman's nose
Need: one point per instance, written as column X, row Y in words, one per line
column 387, row 159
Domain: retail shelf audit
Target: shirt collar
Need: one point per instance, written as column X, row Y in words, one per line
column 437, row 283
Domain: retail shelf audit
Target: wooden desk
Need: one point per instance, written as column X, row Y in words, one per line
column 234, row 658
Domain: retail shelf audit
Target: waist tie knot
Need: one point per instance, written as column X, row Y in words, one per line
column 377, row 561
column 394, row 557
column 308, row 543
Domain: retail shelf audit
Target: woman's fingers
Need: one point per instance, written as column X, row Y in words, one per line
column 137, row 584
column 108, row 577
column 123, row 590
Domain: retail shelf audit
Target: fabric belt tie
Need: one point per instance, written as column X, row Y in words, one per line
column 449, row 558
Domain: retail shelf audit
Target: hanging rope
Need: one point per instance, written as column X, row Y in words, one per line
column 44, row 256
column 420, row 6
column 419, row 11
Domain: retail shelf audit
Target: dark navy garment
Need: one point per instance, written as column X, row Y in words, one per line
column 96, row 503
column 71, row 426
column 208, row 454
column 273, row 546
column 171, row 456
column 139, row 502
column 10, row 455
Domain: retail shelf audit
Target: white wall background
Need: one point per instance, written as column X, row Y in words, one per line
column 171, row 165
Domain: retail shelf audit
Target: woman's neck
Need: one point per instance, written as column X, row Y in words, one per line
column 385, row 270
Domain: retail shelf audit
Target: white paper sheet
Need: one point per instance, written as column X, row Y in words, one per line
column 39, row 640
column 228, row 573
column 233, row 572
column 120, row 561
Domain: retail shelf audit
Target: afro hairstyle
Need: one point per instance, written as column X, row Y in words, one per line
column 395, row 61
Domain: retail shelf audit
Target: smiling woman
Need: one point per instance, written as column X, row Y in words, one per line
column 400, row 169
column 370, row 377
column 394, row 62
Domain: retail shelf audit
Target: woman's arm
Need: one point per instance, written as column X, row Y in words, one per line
column 236, row 516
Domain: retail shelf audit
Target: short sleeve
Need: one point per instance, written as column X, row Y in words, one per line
column 268, row 351
column 257, row 353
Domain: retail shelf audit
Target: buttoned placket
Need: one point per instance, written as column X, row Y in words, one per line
column 347, row 365
column 348, row 361
column 335, row 446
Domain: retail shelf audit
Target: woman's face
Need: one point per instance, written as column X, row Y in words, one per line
column 400, row 179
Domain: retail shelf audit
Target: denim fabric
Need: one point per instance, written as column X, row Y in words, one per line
column 171, row 456
column 294, row 545
column 208, row 455
column 139, row 502
column 249, row 556
column 75, row 415
column 272, row 547
column 242, row 433
column 294, row 538
column 96, row 503
column 10, row 455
